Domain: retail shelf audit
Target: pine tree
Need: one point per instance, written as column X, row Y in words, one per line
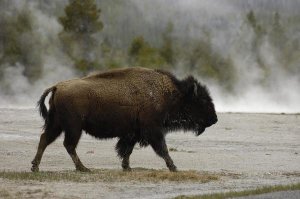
column 256, row 27
column 82, row 17
column 259, row 33
column 16, row 37
column 80, row 23
column 277, row 34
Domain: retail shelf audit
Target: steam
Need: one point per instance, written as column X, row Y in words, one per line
column 224, row 19
column 16, row 89
column 230, row 36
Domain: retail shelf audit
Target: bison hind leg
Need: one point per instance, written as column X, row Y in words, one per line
column 124, row 149
column 51, row 132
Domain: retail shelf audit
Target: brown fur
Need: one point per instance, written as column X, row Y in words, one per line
column 133, row 104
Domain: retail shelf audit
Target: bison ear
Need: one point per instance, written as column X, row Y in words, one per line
column 190, row 86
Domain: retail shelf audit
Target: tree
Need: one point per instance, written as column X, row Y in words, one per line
column 210, row 64
column 257, row 28
column 81, row 21
column 82, row 17
column 142, row 54
column 16, row 37
column 137, row 45
column 277, row 34
column 259, row 33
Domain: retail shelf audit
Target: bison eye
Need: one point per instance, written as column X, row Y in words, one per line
column 204, row 101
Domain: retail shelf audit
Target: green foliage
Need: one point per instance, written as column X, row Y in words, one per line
column 81, row 21
column 277, row 34
column 252, row 21
column 20, row 44
column 12, row 30
column 112, row 57
column 259, row 33
column 278, row 39
column 246, row 193
column 211, row 65
column 137, row 45
column 258, row 30
column 82, row 17
column 83, row 65
column 142, row 54
column 115, row 60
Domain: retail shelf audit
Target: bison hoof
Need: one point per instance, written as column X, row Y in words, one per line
column 83, row 169
column 34, row 168
column 173, row 169
column 127, row 169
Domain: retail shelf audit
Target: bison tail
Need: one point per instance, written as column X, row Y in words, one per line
column 41, row 103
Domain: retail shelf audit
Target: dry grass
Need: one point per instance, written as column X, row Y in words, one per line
column 4, row 194
column 173, row 149
column 291, row 174
column 233, row 194
column 109, row 175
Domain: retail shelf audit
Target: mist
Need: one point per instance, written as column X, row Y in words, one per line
column 259, row 74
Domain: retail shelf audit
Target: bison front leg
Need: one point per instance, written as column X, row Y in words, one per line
column 124, row 149
column 160, row 147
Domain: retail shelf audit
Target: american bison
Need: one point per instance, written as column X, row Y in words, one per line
column 136, row 105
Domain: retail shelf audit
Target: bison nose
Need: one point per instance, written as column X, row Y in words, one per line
column 215, row 120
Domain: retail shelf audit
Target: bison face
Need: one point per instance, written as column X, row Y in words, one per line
column 199, row 109
column 204, row 116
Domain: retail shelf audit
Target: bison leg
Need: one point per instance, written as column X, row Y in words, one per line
column 160, row 148
column 46, row 138
column 70, row 143
column 124, row 149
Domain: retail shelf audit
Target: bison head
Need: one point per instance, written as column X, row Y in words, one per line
column 197, row 108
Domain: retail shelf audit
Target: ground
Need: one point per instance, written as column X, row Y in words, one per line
column 242, row 151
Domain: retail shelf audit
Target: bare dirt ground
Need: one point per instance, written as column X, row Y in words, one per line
column 245, row 150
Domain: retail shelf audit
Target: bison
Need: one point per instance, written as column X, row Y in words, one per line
column 136, row 105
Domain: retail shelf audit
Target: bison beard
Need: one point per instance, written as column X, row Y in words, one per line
column 137, row 105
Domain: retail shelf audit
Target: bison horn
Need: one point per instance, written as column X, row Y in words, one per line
column 195, row 89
